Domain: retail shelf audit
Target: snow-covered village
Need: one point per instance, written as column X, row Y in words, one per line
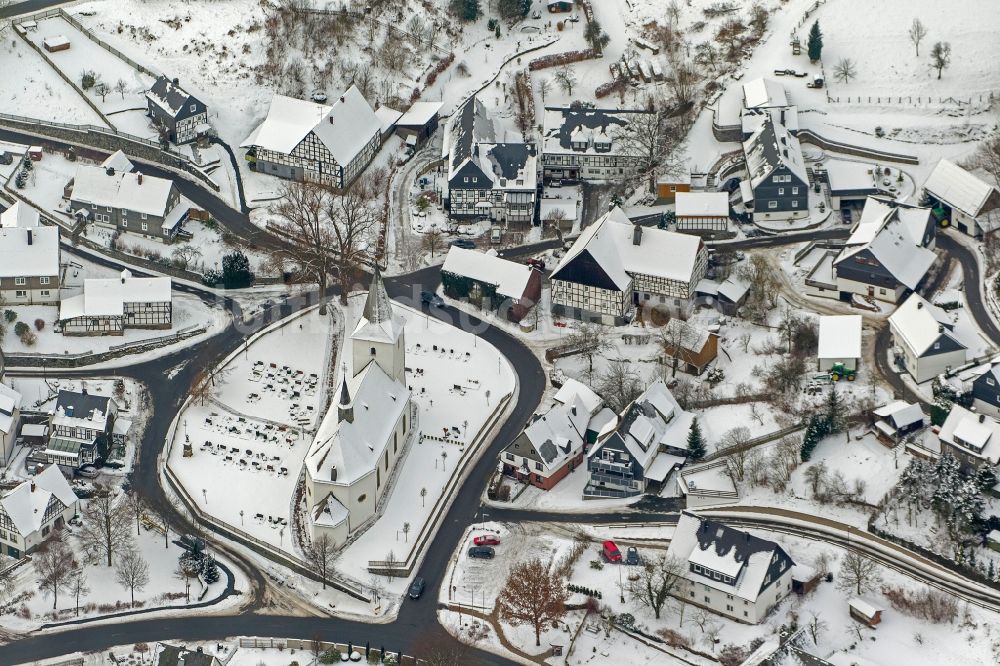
column 489, row 332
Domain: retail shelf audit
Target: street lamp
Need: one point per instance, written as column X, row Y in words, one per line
column 204, row 494
column 241, row 517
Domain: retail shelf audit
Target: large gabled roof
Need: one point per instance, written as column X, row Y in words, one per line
column 509, row 277
column 770, row 147
column 168, row 95
column 921, row 323
column 958, row 188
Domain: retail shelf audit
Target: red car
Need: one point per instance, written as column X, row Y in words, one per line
column 487, row 540
column 611, row 552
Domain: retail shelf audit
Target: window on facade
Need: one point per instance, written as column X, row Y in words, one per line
column 937, row 345
column 510, row 456
column 538, row 466
column 192, row 108
column 142, row 216
column 772, row 204
column 19, row 280
column 707, row 600
column 145, row 226
column 43, row 280
column 124, row 222
column 990, row 381
column 45, row 292
column 20, row 294
column 795, row 190
column 745, row 614
column 881, row 291
column 795, row 204
column 692, row 594
column 781, row 191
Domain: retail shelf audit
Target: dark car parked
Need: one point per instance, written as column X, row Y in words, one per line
column 431, row 299
column 463, row 243
column 417, row 588
column 632, row 556
column 482, row 552
column 845, row 215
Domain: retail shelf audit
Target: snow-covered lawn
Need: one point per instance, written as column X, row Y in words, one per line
column 31, row 88
column 106, row 594
column 247, row 458
column 484, row 378
column 125, row 108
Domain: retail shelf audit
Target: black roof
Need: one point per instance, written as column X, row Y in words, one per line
column 81, row 404
column 472, row 117
column 584, row 269
column 511, row 157
column 172, row 96
column 590, row 119
column 723, row 539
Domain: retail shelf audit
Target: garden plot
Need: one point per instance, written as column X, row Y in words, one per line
column 31, row 88
column 124, row 102
column 456, row 387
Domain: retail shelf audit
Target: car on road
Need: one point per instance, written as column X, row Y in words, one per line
column 610, row 551
column 555, row 182
column 88, row 472
column 730, row 185
column 632, row 556
column 845, row 215
column 318, row 96
column 487, row 540
column 416, row 588
column 431, row 299
column 463, row 243
column 536, row 263
column 482, row 552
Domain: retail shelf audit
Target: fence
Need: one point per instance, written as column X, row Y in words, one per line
column 37, row 359
column 405, row 568
column 756, row 441
column 983, row 100
column 809, row 136
column 320, row 646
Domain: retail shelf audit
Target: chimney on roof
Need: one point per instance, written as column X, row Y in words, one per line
column 138, row 177
column 333, row 472
column 330, row 118
column 341, row 98
column 982, row 418
column 110, row 171
column 919, row 305
column 30, row 237
column 176, row 82
column 636, row 235
column 32, row 486
column 573, row 409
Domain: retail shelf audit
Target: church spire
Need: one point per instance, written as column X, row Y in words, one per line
column 345, row 410
column 378, row 307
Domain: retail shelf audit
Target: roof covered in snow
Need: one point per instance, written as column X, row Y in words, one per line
column 106, row 297
column 702, row 204
column 901, row 413
column 87, row 410
column 168, row 95
column 849, row 177
column 419, row 114
column 354, row 447
column 973, row 432
column 751, row 563
column 920, row 324
column 134, row 191
column 840, row 336
column 585, row 131
column 687, row 336
column 118, row 161
column 509, row 277
column 470, row 126
column 345, row 127
column 10, row 402
column 609, row 245
column 866, row 608
column 378, row 322
column 573, row 387
column 26, row 249
column 771, row 147
column 26, row 504
column 387, row 117
column 553, row 437
column 958, row 188
column 764, row 93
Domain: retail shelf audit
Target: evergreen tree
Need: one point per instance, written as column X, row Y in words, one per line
column 236, row 271
column 513, row 8
column 209, row 570
column 815, row 431
column 467, row 10
column 991, row 571
column 986, row 478
column 834, row 412
column 815, row 44
column 695, row 441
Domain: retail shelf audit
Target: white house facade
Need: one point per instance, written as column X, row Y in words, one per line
column 924, row 339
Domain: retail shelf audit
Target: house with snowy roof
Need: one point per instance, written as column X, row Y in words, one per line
column 898, row 419
column 887, row 256
column 419, row 121
column 702, row 211
column 850, row 182
column 587, row 144
column 126, row 200
column 108, row 306
column 82, row 427
column 973, row 439
column 924, row 339
column 353, row 456
column 300, row 140
column 971, row 201
column 648, row 442
column 33, row 510
column 729, row 571
column 839, row 342
column 778, row 178
column 615, row 265
column 29, row 258
column 493, row 282
column 10, row 415
column 487, row 179
column 689, row 347
column 180, row 115
column 986, row 389
column 552, row 445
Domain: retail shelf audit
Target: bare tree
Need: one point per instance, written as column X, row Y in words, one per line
column 106, row 527
column 737, row 439
column 759, row 274
column 121, row 87
column 433, row 241
column 533, row 595
column 657, row 578
column 816, row 627
column 683, row 81
column 103, row 89
column 917, row 33
column 136, row 505
column 185, row 571
column 844, row 70
column 653, row 142
column 544, row 86
column 54, row 565
column 132, row 571
column 321, row 555
column 940, row 56
column 987, row 157
column 8, row 584
column 566, row 79
column 858, row 574
column 589, row 340
column 303, row 224
column 620, row 385
column 353, row 218
column 78, row 586
column 186, row 255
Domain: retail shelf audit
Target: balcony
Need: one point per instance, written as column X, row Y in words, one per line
column 616, row 469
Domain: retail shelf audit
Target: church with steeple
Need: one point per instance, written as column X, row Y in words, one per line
column 364, row 433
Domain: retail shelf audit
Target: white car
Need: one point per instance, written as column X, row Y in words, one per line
column 318, row 96
column 88, row 472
